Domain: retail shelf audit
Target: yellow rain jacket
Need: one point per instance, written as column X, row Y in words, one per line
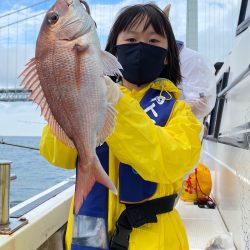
column 159, row 154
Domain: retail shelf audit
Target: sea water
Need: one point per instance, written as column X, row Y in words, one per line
column 34, row 173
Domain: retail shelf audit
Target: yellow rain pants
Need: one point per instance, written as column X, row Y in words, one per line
column 159, row 154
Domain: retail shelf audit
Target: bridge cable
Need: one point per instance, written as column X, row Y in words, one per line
column 28, row 7
column 17, row 31
column 7, row 56
column 21, row 20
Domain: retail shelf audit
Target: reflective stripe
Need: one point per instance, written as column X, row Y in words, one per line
column 90, row 232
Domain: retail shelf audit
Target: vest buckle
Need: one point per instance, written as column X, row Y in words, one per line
column 120, row 238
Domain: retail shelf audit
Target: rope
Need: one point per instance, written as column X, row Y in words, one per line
column 16, row 145
column 208, row 198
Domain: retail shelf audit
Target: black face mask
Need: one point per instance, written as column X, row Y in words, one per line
column 142, row 63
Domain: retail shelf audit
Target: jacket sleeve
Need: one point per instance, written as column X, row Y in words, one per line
column 57, row 153
column 158, row 154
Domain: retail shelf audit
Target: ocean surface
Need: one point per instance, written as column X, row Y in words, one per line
column 34, row 173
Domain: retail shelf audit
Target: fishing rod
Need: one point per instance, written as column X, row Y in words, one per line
column 16, row 145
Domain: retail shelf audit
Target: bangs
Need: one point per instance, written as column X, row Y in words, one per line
column 138, row 13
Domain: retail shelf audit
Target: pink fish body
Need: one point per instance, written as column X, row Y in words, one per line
column 67, row 81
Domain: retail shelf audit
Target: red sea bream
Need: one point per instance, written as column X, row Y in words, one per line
column 67, row 81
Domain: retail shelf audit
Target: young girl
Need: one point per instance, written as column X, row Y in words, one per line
column 154, row 144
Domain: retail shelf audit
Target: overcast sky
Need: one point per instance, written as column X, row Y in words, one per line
column 217, row 22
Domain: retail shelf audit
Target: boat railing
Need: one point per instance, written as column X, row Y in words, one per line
column 12, row 221
column 6, row 225
column 4, row 191
column 238, row 79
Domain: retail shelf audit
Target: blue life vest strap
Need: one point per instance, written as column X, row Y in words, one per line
column 98, row 192
column 132, row 187
column 95, row 206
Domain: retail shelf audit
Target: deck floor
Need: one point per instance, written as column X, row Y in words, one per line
column 202, row 224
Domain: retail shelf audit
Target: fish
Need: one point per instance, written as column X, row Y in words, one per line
column 67, row 80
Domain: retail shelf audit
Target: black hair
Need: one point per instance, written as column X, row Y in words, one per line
column 132, row 15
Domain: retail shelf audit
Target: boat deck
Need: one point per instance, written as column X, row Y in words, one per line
column 202, row 224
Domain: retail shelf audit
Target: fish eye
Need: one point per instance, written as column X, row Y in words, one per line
column 53, row 17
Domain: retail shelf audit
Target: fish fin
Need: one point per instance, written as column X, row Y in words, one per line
column 31, row 83
column 108, row 126
column 84, row 183
column 111, row 66
column 102, row 177
column 85, row 180
column 57, row 130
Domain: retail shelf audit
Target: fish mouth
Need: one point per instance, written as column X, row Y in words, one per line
column 76, row 23
column 83, row 2
column 69, row 2
column 86, row 6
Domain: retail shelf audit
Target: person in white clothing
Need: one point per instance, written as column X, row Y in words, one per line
column 198, row 83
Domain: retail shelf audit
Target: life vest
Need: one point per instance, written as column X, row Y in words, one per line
column 90, row 225
column 133, row 188
column 180, row 45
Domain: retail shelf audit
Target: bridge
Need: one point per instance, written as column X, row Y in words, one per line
column 18, row 32
column 19, row 29
column 14, row 95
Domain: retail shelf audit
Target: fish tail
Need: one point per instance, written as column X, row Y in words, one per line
column 85, row 180
column 102, row 177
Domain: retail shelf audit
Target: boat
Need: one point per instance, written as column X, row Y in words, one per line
column 226, row 148
column 40, row 222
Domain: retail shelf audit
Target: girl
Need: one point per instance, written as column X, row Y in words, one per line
column 154, row 144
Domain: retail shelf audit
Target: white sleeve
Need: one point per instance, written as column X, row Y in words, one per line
column 198, row 80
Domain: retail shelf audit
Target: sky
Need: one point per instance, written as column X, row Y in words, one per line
column 216, row 25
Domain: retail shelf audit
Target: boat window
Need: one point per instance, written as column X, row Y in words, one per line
column 216, row 114
column 244, row 17
column 218, row 66
column 238, row 136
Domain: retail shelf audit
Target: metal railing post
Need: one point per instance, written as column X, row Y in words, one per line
column 8, row 225
column 4, row 191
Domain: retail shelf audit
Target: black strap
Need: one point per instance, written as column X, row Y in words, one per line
column 137, row 215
